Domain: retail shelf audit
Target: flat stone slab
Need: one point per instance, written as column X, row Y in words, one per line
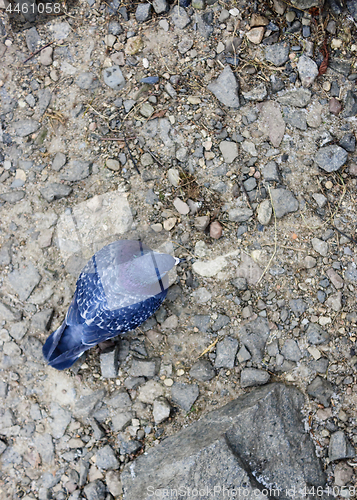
column 24, row 280
column 224, row 450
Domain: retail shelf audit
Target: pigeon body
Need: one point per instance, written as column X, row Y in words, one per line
column 120, row 287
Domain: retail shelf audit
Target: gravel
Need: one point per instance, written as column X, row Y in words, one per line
column 247, row 174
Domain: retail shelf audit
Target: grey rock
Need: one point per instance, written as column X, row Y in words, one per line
column 95, row 490
column 33, row 348
column 121, row 420
column 320, row 365
column 204, row 24
column 114, row 28
column 83, row 472
column 5, row 254
column 87, row 81
column 119, row 399
column 160, row 6
column 296, row 118
column 3, row 389
column 334, row 301
column 352, row 7
column 24, row 280
column 32, row 39
column 109, row 362
column 321, row 389
column 23, row 128
column 264, row 212
column 339, row 447
column 299, row 98
column 59, row 161
column 254, row 336
column 184, row 395
column 8, row 313
column 251, row 376
column 304, row 4
column 350, row 108
column 229, row 151
column 258, row 93
column 225, row 88
column 151, row 197
column 277, row 54
column 340, row 66
column 98, row 431
column 316, row 335
column 55, row 191
column 224, row 444
column 61, row 418
column 240, row 214
column 13, row 196
column 202, row 370
column 10, row 457
column 144, row 368
column 113, row 77
column 270, row 171
column 185, row 45
column 42, row 320
column 272, row 122
column 129, row 447
column 106, row 459
column 243, row 355
column 113, row 483
column 320, row 246
column 284, row 202
column 76, row 171
column 291, row 350
column 179, row 17
column 50, row 480
column 307, row 69
column 226, row 353
column 201, row 321
column 331, row 158
column 351, row 272
column 2, row 447
column 298, row 306
column 348, row 142
column 161, row 410
column 44, row 99
column 86, row 405
column 221, row 321
column 240, row 284
column 143, row 12
column 44, row 446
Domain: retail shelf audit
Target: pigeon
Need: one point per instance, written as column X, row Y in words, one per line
column 119, row 288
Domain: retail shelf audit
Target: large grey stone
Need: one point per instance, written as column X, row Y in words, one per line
column 24, row 280
column 55, row 191
column 224, row 450
column 225, row 88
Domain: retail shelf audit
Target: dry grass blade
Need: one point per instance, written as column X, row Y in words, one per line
column 275, row 240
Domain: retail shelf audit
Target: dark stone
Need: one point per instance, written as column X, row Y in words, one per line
column 321, row 389
column 256, row 440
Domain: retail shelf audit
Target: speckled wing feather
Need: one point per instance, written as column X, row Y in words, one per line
column 120, row 287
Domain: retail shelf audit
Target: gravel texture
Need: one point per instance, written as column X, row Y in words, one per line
column 220, row 133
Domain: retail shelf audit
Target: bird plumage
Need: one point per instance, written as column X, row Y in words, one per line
column 120, row 287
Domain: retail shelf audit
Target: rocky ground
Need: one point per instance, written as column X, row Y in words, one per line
column 224, row 132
